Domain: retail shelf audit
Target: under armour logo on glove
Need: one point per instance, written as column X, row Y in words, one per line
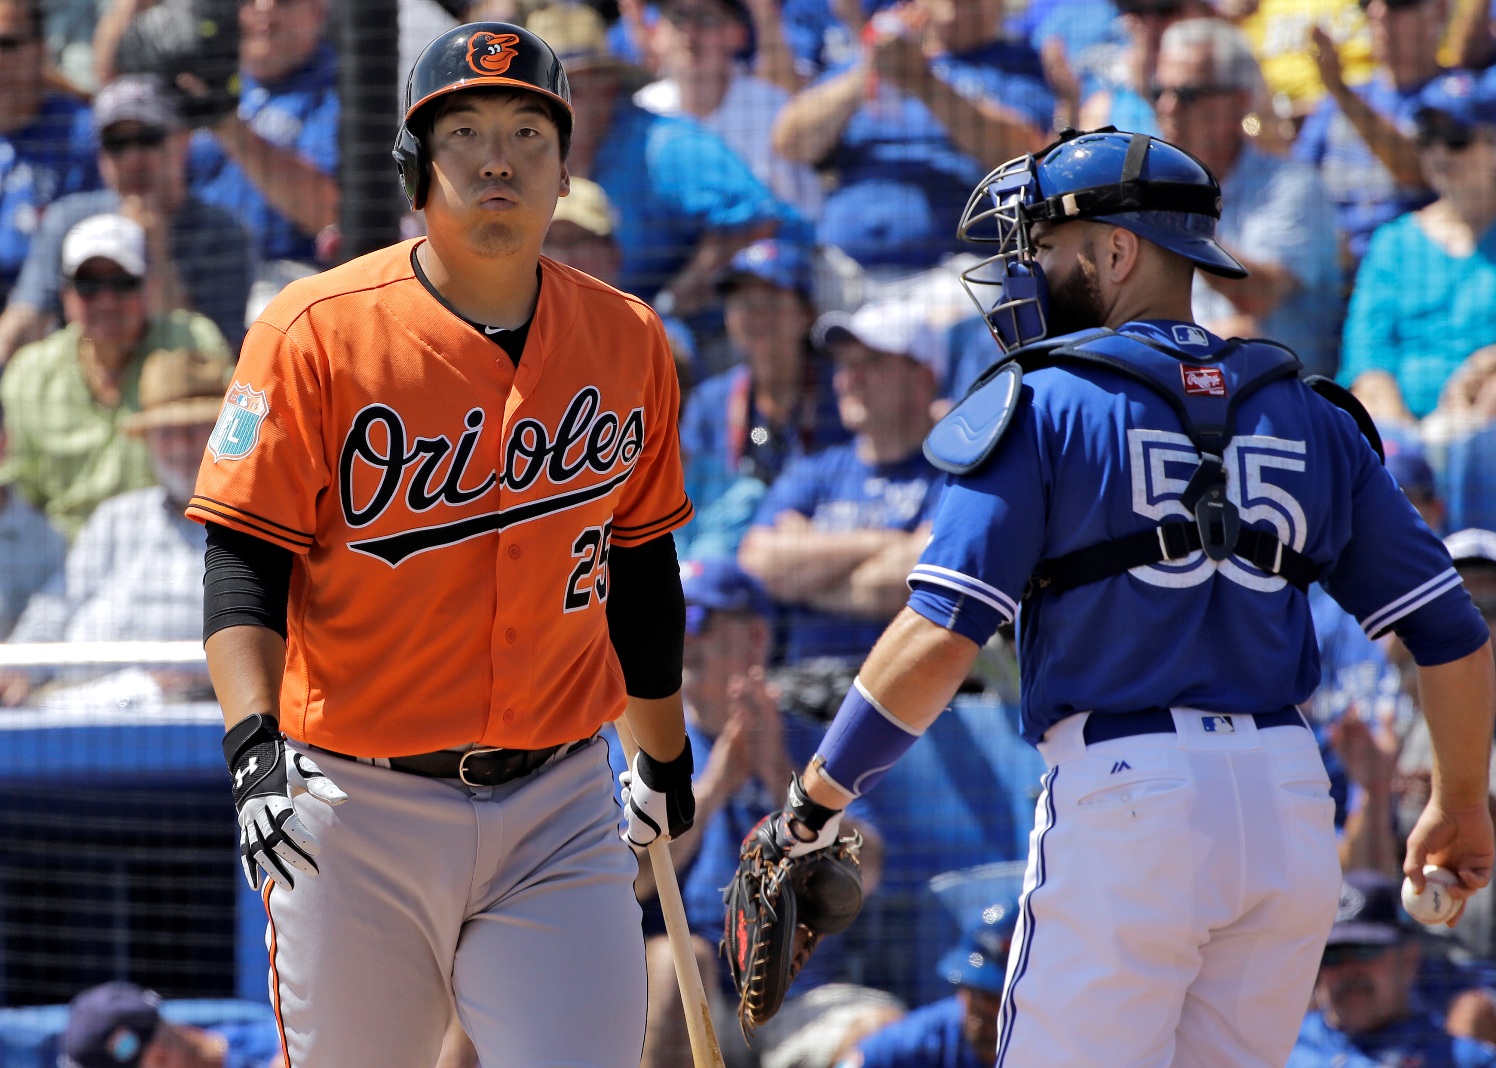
column 656, row 796
column 267, row 780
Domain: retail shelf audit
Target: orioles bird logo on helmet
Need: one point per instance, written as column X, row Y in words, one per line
column 491, row 53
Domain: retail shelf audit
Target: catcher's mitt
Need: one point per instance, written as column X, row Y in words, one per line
column 778, row 908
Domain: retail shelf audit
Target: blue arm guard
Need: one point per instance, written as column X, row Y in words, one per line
column 863, row 742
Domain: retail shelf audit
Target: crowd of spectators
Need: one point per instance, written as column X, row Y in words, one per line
column 782, row 179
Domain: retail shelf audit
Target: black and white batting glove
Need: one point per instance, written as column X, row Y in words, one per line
column 657, row 795
column 267, row 780
column 802, row 826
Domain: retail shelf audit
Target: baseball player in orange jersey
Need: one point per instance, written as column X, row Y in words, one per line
column 439, row 496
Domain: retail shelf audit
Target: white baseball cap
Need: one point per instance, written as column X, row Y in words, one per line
column 1472, row 543
column 888, row 326
column 111, row 237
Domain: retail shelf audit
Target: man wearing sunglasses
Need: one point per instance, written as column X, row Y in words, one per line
column 46, row 145
column 1424, row 292
column 1366, row 1011
column 1277, row 218
column 65, row 396
column 199, row 253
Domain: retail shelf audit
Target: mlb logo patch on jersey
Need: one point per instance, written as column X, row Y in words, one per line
column 1184, row 334
column 238, row 428
column 1203, row 381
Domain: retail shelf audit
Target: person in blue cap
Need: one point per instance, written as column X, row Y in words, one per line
column 119, row 1025
column 1366, row 1011
column 775, row 405
column 959, row 1031
column 1423, row 295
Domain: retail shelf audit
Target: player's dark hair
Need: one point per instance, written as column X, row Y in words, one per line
column 422, row 122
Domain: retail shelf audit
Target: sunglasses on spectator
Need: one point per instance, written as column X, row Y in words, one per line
column 118, row 284
column 1352, row 953
column 116, row 143
column 1435, row 129
column 1155, row 8
column 1188, row 95
column 14, row 42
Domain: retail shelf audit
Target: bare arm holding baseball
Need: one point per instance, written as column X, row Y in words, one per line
column 1454, row 830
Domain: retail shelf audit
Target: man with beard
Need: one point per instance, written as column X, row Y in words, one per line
column 439, row 501
column 1366, row 1012
column 1151, row 503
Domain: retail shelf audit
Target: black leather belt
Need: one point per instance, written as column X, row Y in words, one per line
column 481, row 767
column 1103, row 727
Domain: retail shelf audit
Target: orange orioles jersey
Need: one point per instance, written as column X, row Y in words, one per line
column 451, row 514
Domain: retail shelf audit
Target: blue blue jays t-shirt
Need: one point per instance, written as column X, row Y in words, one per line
column 837, row 491
column 1364, row 191
column 929, row 1037
column 251, row 1043
column 1417, row 1042
column 902, row 182
column 50, row 157
column 676, row 180
column 1092, row 455
column 299, row 112
column 724, row 437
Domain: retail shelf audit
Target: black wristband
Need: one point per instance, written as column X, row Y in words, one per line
column 802, row 809
column 664, row 776
column 249, row 731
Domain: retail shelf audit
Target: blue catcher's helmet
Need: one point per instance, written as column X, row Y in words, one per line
column 1140, row 183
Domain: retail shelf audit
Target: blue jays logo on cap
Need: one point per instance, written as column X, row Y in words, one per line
column 123, row 1045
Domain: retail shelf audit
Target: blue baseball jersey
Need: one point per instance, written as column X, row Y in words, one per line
column 928, row 1037
column 299, row 113
column 51, row 156
column 1364, row 191
column 1416, row 1042
column 1092, row 455
column 838, row 491
column 902, row 182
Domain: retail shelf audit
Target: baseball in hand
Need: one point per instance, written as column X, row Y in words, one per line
column 1435, row 905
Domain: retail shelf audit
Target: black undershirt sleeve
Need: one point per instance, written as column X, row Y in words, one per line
column 647, row 616
column 246, row 581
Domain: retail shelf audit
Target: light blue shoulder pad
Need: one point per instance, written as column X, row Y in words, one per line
column 964, row 440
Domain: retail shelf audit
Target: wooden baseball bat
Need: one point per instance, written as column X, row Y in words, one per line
column 705, row 1052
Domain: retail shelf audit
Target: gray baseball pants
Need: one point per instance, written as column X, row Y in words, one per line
column 514, row 901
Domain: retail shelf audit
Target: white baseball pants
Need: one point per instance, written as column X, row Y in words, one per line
column 1179, row 891
column 516, row 900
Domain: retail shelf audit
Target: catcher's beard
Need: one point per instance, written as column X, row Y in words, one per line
column 1075, row 297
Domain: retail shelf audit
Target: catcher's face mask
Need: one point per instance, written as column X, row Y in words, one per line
column 1008, row 287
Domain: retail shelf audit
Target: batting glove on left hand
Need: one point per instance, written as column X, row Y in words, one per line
column 657, row 798
column 267, row 781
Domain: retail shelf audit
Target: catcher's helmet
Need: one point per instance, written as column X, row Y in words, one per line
column 1140, row 183
column 478, row 55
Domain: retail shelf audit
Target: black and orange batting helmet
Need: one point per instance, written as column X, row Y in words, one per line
column 476, row 56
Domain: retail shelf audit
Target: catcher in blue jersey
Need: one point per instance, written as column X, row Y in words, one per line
column 1148, row 503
